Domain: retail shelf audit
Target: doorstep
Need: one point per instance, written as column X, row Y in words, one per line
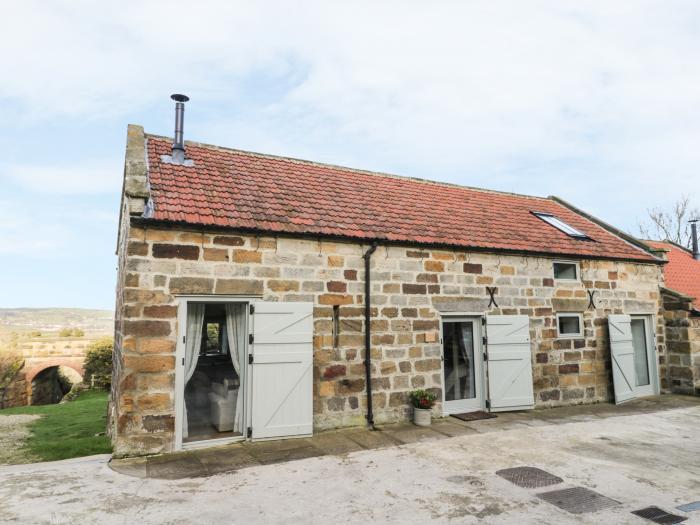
column 227, row 458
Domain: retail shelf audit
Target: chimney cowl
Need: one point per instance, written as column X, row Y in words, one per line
column 694, row 238
column 178, row 150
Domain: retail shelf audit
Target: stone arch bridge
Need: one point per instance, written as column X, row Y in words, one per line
column 38, row 356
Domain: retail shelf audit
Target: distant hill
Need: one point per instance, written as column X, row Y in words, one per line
column 51, row 320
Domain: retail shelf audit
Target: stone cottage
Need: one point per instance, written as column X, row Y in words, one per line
column 681, row 303
column 250, row 288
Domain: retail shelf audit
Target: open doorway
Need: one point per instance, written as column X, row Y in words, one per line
column 214, row 371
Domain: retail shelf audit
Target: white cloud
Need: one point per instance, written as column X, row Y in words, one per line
column 597, row 101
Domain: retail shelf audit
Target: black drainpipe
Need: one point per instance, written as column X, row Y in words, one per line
column 368, row 350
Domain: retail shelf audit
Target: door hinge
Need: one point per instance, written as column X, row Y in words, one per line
column 483, row 321
column 488, row 404
column 184, row 339
column 249, row 432
column 251, row 339
column 183, row 361
column 484, row 340
column 252, row 309
column 486, row 357
column 250, row 359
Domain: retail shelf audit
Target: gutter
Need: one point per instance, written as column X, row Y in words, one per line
column 368, row 335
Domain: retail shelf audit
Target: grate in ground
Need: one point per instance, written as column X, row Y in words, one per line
column 658, row 515
column 578, row 500
column 529, row 477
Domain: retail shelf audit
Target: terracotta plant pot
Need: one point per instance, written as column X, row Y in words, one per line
column 422, row 416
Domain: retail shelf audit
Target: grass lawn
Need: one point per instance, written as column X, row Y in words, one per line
column 67, row 430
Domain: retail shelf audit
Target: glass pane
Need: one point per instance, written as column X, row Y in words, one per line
column 458, row 351
column 641, row 361
column 569, row 325
column 565, row 271
column 561, row 225
column 212, row 341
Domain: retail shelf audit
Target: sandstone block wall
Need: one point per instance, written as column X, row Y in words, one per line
column 411, row 288
column 15, row 393
column 683, row 344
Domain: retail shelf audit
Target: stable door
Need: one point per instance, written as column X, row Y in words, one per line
column 462, row 365
column 633, row 354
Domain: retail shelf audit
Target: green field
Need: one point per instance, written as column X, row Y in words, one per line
column 67, row 430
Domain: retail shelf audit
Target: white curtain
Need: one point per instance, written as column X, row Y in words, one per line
column 236, row 333
column 195, row 323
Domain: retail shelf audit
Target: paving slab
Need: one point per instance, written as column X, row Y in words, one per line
column 335, row 443
column 226, row 459
column 184, row 465
column 451, row 427
column 413, row 434
column 485, row 427
column 371, row 439
column 135, row 467
column 277, row 451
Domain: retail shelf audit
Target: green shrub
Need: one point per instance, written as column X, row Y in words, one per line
column 70, row 332
column 98, row 363
column 10, row 363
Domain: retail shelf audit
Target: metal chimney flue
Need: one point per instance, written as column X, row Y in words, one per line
column 178, row 155
column 694, row 238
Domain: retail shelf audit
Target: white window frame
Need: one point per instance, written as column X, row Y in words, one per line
column 560, row 224
column 653, row 388
column 478, row 403
column 578, row 271
column 578, row 335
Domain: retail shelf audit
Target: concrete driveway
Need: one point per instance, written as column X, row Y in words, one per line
column 643, row 454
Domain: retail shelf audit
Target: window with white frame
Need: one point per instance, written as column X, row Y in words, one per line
column 560, row 225
column 566, row 270
column 570, row 325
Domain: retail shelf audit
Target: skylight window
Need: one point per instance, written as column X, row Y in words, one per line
column 561, row 225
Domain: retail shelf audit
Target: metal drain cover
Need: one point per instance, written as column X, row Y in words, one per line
column 658, row 515
column 578, row 500
column 690, row 507
column 529, row 477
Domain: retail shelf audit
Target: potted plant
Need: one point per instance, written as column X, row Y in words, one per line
column 422, row 401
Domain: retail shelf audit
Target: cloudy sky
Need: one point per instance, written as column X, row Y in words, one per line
column 596, row 102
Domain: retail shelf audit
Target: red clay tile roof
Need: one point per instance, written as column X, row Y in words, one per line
column 242, row 190
column 682, row 272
